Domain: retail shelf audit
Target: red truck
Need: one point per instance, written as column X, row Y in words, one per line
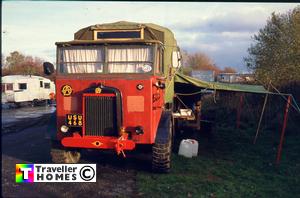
column 115, row 90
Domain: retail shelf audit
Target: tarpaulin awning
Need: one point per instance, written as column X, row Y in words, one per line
column 181, row 78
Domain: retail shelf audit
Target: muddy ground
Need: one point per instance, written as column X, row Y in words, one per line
column 116, row 176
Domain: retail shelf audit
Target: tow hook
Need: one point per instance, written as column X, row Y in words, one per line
column 120, row 144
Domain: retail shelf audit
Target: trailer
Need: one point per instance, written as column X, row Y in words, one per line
column 20, row 89
column 119, row 85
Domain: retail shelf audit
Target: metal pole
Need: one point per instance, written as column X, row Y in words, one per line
column 283, row 130
column 260, row 119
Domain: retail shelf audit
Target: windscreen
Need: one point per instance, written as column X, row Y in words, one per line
column 81, row 59
column 106, row 59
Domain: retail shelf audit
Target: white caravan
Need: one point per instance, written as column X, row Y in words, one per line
column 21, row 88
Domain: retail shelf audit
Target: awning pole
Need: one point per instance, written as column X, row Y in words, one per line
column 260, row 119
column 283, row 130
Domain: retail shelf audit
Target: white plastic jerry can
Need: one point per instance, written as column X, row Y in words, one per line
column 188, row 148
column 195, row 146
column 185, row 149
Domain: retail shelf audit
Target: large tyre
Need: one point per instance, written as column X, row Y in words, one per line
column 61, row 155
column 162, row 149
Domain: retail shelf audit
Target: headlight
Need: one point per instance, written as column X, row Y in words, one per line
column 64, row 129
column 139, row 130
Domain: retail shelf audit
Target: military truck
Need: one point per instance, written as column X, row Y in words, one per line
column 115, row 90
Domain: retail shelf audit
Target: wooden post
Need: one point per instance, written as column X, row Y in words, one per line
column 283, row 130
column 239, row 110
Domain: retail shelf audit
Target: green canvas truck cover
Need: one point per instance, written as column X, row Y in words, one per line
column 151, row 32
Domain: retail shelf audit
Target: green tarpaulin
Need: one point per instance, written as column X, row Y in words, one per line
column 180, row 78
column 151, row 32
column 166, row 37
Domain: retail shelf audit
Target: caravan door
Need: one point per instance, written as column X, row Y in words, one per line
column 41, row 90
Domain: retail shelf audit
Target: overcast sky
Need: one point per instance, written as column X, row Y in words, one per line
column 221, row 30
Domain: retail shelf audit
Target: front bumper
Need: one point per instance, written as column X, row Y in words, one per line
column 99, row 142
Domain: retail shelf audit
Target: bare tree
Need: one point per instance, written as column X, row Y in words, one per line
column 198, row 61
column 18, row 63
column 229, row 70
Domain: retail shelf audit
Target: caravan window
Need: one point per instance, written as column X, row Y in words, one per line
column 23, row 86
column 3, row 87
column 47, row 85
column 9, row 86
column 41, row 83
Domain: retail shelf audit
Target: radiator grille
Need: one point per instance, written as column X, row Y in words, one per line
column 100, row 116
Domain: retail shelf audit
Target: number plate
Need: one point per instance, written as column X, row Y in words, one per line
column 74, row 120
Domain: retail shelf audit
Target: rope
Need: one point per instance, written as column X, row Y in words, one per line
column 182, row 102
column 294, row 100
column 282, row 95
column 190, row 94
column 173, row 75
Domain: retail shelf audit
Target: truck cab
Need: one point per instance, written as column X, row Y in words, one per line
column 115, row 87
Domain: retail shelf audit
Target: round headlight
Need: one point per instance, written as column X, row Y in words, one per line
column 64, row 128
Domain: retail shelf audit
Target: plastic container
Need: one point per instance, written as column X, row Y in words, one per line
column 188, row 148
column 195, row 146
column 185, row 149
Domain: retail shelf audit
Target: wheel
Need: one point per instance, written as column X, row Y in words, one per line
column 61, row 155
column 17, row 104
column 35, row 102
column 161, row 151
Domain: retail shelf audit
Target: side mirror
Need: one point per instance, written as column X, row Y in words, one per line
column 179, row 59
column 176, row 59
column 48, row 68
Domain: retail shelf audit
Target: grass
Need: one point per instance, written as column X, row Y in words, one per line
column 229, row 165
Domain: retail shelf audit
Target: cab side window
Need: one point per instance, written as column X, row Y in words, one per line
column 159, row 61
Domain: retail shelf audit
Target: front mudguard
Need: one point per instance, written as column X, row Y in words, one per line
column 163, row 133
